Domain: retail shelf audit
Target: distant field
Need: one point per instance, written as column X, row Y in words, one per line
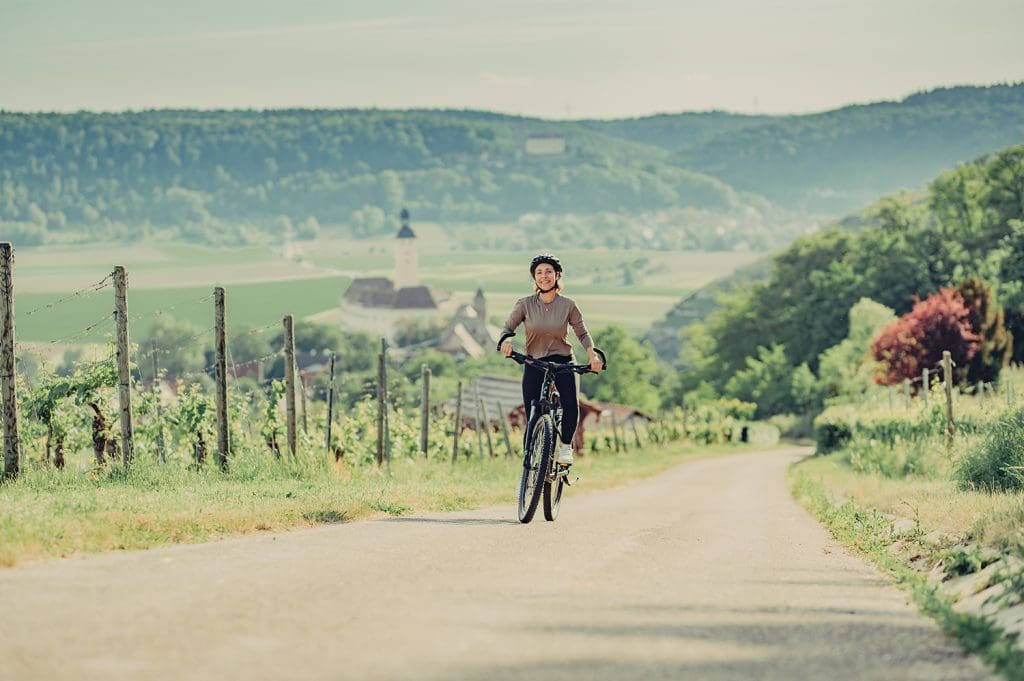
column 248, row 305
column 263, row 284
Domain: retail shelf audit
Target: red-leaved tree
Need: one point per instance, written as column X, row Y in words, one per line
column 916, row 340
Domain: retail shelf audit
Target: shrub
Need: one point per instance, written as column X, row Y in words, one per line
column 916, row 340
column 899, row 459
column 987, row 320
column 833, row 428
column 998, row 464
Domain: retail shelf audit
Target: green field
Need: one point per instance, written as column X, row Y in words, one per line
column 263, row 284
column 248, row 306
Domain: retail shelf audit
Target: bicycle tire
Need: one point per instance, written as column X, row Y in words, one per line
column 553, row 490
column 536, row 461
column 553, row 496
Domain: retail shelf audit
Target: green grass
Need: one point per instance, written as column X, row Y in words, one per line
column 262, row 286
column 47, row 513
column 248, row 305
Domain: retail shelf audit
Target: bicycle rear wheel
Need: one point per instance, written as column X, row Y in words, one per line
column 536, row 461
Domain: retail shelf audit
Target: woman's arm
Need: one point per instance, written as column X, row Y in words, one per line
column 511, row 324
column 580, row 328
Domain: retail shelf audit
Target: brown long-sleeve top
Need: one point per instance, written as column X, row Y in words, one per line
column 547, row 325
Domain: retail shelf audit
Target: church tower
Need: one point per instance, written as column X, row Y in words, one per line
column 480, row 305
column 406, row 257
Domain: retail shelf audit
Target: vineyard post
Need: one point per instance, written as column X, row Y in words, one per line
column 384, row 390
column 479, row 418
column 636, row 433
column 330, row 406
column 8, row 384
column 124, row 376
column 925, row 385
column 161, row 446
column 487, row 428
column 684, row 420
column 220, row 348
column 458, row 423
column 289, row 378
column 381, row 402
column 302, row 394
column 947, row 377
column 906, row 393
column 503, row 416
column 615, row 432
column 424, row 409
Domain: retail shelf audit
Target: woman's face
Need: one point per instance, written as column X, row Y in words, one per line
column 545, row 276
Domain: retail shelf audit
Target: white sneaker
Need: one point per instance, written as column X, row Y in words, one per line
column 564, row 455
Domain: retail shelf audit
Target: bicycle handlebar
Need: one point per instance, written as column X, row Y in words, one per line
column 553, row 366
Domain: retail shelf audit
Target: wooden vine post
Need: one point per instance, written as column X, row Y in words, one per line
column 221, row 362
column 289, row 377
column 8, row 384
column 124, row 376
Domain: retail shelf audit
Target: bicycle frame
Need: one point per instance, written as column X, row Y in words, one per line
column 542, row 474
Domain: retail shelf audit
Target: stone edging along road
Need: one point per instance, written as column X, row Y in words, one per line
column 707, row 571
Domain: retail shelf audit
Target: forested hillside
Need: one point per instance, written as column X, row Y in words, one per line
column 675, row 132
column 690, row 180
column 840, row 160
column 968, row 228
column 122, row 173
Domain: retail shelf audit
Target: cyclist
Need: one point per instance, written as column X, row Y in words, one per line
column 548, row 316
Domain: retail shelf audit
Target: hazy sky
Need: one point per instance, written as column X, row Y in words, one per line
column 550, row 58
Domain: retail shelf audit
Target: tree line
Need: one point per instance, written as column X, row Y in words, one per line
column 952, row 255
column 233, row 172
column 238, row 176
column 840, row 160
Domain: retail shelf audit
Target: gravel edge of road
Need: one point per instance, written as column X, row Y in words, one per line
column 866, row 531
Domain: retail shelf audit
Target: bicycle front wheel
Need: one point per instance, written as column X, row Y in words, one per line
column 553, row 493
column 536, row 461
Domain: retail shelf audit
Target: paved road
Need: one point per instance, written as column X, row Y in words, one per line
column 709, row 571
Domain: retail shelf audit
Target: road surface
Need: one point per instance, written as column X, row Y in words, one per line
column 708, row 571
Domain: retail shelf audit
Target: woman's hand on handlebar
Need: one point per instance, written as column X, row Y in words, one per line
column 506, row 347
column 596, row 364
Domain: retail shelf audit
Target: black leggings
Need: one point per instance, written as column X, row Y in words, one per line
column 566, row 384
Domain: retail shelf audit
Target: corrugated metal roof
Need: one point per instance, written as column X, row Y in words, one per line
column 492, row 390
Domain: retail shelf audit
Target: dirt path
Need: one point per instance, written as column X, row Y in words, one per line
column 709, row 571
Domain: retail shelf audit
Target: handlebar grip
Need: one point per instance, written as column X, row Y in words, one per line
column 502, row 339
column 604, row 359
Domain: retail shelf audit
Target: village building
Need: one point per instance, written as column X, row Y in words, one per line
column 377, row 304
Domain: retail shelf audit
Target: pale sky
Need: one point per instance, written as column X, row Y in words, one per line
column 547, row 58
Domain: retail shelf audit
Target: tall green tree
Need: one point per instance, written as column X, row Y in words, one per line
column 986, row 318
column 632, row 374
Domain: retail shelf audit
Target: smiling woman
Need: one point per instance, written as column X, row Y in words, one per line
column 548, row 316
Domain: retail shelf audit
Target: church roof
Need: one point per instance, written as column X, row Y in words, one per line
column 371, row 292
column 415, row 297
column 406, row 232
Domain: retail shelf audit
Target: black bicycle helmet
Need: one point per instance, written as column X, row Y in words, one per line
column 549, row 259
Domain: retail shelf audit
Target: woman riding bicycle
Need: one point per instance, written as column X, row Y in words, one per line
column 548, row 316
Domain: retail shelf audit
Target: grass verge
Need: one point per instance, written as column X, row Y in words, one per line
column 861, row 526
column 48, row 514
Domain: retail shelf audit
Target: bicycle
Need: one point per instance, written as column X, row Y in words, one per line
column 542, row 476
